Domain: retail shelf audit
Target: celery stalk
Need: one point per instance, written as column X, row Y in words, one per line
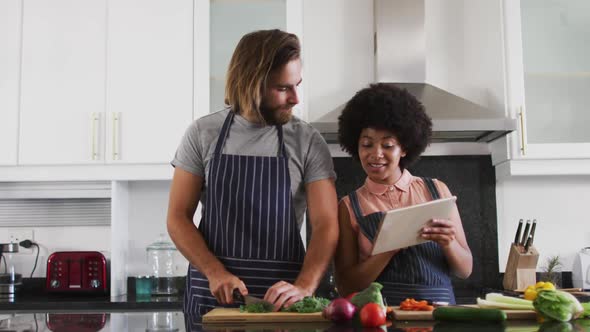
column 497, row 297
column 502, row 305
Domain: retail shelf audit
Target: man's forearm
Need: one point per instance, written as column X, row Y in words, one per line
column 322, row 246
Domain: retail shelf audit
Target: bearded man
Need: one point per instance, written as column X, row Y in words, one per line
column 255, row 168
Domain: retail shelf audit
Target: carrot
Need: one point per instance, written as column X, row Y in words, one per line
column 410, row 304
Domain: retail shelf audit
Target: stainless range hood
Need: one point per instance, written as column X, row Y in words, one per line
column 454, row 119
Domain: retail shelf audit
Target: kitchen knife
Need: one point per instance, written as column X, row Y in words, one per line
column 528, row 243
column 247, row 299
column 525, row 234
column 518, row 230
column 532, row 235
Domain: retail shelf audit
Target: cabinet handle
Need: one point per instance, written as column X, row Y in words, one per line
column 93, row 123
column 522, row 142
column 115, row 135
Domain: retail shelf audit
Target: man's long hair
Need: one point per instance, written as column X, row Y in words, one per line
column 257, row 54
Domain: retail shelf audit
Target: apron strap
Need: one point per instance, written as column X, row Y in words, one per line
column 434, row 194
column 224, row 131
column 356, row 206
column 369, row 224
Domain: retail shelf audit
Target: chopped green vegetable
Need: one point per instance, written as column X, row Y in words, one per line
column 258, row 307
column 558, row 305
column 308, row 304
column 368, row 295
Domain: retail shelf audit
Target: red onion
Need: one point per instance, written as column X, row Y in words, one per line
column 340, row 310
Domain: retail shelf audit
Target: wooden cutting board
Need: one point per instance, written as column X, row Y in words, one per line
column 427, row 315
column 233, row 315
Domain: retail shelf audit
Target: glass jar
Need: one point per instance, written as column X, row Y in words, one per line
column 10, row 280
column 161, row 258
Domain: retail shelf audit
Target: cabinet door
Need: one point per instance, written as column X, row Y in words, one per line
column 10, row 37
column 149, row 79
column 63, row 79
column 552, row 80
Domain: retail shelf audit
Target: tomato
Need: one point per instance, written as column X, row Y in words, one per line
column 372, row 315
column 350, row 296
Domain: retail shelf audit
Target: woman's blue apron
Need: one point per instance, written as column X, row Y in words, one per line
column 248, row 223
column 419, row 272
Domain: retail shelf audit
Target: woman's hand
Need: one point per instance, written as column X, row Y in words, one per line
column 223, row 284
column 441, row 231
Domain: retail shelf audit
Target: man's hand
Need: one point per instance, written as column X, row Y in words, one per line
column 222, row 286
column 284, row 294
column 441, row 231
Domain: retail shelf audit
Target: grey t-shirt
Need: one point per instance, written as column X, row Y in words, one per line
column 309, row 156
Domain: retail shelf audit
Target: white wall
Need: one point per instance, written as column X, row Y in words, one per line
column 560, row 205
column 338, row 55
column 148, row 206
column 52, row 239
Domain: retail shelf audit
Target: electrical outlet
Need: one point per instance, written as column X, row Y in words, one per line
column 16, row 235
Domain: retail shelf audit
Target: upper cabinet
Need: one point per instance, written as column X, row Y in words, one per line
column 10, row 38
column 548, row 78
column 149, row 87
column 62, row 81
column 105, row 84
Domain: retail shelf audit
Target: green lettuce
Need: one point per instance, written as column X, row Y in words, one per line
column 558, row 305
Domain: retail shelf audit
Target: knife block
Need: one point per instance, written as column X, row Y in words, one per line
column 521, row 268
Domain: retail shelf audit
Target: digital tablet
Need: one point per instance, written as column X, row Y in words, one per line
column 400, row 228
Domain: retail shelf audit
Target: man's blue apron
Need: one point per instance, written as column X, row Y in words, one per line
column 419, row 272
column 248, row 223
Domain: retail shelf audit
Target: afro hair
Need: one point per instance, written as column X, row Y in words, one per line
column 384, row 106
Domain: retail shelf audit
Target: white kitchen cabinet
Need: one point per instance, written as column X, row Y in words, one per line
column 10, row 38
column 101, row 88
column 548, row 78
column 62, row 97
column 149, row 84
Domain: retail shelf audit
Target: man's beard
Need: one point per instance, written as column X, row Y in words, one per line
column 276, row 116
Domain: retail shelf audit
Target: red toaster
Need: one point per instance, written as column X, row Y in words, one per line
column 76, row 272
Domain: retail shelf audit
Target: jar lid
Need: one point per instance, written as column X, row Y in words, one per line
column 9, row 247
column 162, row 243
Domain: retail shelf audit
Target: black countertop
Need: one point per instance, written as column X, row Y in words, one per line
column 174, row 321
column 32, row 297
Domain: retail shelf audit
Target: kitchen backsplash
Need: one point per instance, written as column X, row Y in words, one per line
column 472, row 180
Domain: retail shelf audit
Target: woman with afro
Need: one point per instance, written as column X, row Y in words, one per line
column 386, row 129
